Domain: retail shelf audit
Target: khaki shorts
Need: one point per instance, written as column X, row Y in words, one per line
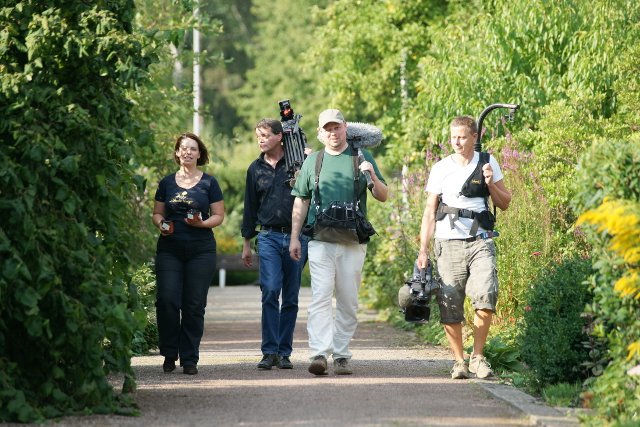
column 466, row 269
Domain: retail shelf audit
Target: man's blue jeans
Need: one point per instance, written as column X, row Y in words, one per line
column 279, row 274
column 184, row 272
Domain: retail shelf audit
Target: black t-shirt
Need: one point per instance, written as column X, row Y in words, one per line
column 178, row 201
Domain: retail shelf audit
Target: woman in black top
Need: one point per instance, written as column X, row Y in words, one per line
column 188, row 205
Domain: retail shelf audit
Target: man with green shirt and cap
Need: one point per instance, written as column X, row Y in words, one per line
column 335, row 259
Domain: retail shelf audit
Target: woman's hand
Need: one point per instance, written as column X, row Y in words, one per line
column 194, row 219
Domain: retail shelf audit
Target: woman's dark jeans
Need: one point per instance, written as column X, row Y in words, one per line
column 184, row 272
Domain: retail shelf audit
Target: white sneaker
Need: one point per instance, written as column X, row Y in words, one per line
column 460, row 370
column 479, row 366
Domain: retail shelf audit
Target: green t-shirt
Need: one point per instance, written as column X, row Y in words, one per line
column 336, row 181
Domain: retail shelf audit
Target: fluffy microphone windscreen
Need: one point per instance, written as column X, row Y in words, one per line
column 361, row 135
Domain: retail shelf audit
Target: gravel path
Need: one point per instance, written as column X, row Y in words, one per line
column 397, row 381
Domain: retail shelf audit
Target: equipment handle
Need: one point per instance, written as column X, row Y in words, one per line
column 367, row 174
column 424, row 273
column 512, row 109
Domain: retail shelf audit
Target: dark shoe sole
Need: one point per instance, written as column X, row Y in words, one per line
column 190, row 370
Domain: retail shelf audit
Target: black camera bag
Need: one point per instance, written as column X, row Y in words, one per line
column 341, row 222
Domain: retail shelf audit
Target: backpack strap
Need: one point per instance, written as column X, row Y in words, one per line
column 316, row 182
column 356, row 179
column 455, row 213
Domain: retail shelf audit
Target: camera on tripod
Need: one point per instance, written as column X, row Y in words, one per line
column 414, row 296
column 294, row 141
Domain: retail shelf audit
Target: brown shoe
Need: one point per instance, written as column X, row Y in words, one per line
column 318, row 366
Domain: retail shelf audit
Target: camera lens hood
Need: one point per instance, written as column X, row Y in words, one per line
column 417, row 313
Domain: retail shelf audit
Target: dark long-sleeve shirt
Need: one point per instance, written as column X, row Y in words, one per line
column 267, row 198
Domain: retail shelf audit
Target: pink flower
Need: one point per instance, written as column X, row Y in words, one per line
column 527, row 308
column 536, row 254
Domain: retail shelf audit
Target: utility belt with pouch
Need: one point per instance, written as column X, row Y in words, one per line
column 340, row 222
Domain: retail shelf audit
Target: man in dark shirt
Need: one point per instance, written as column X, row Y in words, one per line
column 268, row 202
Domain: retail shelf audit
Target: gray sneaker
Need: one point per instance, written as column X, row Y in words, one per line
column 318, row 365
column 479, row 366
column 341, row 366
column 460, row 370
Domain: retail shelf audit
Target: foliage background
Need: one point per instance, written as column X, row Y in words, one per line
column 407, row 66
column 67, row 189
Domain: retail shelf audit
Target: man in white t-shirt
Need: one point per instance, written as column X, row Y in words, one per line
column 457, row 215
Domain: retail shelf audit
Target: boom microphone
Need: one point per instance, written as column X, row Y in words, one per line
column 363, row 135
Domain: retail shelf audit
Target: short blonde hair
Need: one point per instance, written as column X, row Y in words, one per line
column 466, row 121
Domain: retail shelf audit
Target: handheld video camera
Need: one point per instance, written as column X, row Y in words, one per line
column 294, row 140
column 415, row 295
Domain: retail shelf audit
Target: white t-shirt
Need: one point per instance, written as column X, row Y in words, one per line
column 447, row 178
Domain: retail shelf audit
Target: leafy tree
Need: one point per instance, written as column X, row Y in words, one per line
column 368, row 57
column 280, row 68
column 67, row 194
column 528, row 53
column 225, row 62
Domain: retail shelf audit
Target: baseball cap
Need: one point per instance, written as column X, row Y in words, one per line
column 330, row 116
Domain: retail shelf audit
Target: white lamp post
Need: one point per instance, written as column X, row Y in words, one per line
column 197, row 95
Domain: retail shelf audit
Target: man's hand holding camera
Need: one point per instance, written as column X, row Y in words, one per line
column 423, row 259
